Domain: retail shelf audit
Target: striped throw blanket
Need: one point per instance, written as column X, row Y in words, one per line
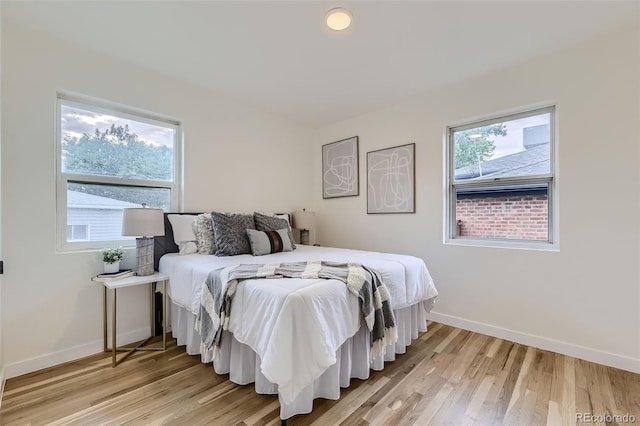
column 363, row 282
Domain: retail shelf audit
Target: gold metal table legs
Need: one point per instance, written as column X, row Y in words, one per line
column 140, row 347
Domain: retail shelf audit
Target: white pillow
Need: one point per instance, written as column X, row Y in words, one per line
column 182, row 225
column 187, row 248
column 285, row 217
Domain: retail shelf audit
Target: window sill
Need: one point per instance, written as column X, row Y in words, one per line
column 505, row 244
column 93, row 246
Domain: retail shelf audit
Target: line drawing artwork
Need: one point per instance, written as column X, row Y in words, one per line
column 340, row 168
column 390, row 180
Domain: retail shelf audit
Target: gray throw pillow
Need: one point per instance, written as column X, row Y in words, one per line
column 229, row 233
column 265, row 222
column 267, row 242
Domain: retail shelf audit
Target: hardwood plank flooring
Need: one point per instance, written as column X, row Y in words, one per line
column 448, row 376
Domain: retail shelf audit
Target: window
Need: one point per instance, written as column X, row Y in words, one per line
column 111, row 158
column 500, row 176
column 77, row 232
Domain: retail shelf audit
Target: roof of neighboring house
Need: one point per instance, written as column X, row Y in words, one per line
column 532, row 161
column 77, row 199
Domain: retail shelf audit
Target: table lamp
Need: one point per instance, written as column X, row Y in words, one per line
column 304, row 221
column 144, row 223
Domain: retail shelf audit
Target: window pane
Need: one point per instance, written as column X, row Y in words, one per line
column 511, row 148
column 506, row 214
column 105, row 145
column 77, row 232
column 100, row 207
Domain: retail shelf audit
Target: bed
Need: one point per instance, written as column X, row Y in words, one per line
column 301, row 339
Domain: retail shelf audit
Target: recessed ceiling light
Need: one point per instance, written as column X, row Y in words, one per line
column 475, row 136
column 339, row 19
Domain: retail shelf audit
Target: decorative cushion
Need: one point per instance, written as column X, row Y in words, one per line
column 229, row 233
column 182, row 225
column 266, row 242
column 203, row 228
column 265, row 222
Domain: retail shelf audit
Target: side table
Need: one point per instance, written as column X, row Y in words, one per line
column 116, row 284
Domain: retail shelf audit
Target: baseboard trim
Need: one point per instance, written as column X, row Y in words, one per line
column 564, row 348
column 55, row 358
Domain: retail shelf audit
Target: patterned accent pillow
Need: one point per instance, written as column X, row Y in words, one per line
column 203, row 228
column 267, row 242
column 266, row 222
column 229, row 233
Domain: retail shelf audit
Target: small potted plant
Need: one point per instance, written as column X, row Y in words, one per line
column 111, row 258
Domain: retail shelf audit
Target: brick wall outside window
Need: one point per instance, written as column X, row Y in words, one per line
column 522, row 217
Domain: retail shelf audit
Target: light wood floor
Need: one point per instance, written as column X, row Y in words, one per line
column 447, row 377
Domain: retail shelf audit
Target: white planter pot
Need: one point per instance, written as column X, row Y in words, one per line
column 111, row 267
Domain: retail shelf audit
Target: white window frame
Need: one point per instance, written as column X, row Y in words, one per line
column 62, row 179
column 550, row 179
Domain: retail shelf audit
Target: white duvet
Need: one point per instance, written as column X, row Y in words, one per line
column 296, row 325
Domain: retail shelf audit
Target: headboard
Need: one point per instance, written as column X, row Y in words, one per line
column 165, row 244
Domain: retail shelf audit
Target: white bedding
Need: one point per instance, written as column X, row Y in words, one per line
column 294, row 325
column 406, row 276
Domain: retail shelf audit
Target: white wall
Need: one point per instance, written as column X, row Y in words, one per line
column 2, row 378
column 51, row 311
column 583, row 300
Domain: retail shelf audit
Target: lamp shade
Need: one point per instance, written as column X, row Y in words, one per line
column 143, row 222
column 304, row 220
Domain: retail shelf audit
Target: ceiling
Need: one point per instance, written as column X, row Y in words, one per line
column 280, row 57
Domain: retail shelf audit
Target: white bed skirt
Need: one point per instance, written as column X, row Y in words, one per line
column 243, row 364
